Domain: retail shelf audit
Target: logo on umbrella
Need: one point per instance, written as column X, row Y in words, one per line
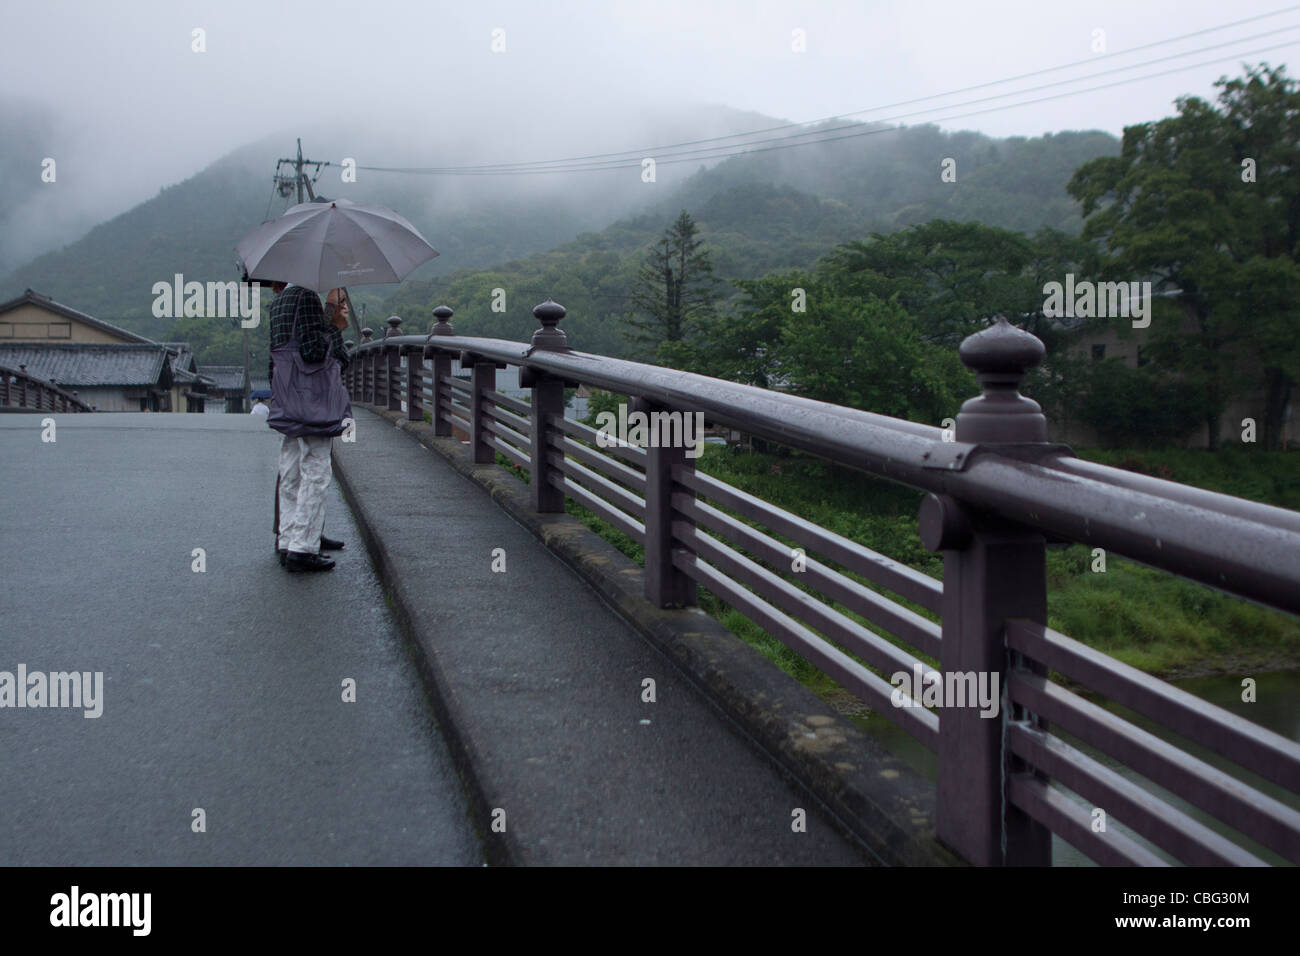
column 354, row 270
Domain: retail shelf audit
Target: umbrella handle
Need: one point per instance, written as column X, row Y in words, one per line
column 352, row 317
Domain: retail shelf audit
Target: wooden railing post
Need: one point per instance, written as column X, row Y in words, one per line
column 441, row 370
column 414, row 355
column 483, row 379
column 548, row 399
column 368, row 368
column 392, row 367
column 665, row 584
column 993, row 571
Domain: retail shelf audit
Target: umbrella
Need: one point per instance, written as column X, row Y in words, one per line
column 260, row 393
column 326, row 245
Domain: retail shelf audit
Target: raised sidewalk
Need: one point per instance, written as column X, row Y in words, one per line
column 539, row 684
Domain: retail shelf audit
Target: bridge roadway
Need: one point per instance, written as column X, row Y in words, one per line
column 222, row 688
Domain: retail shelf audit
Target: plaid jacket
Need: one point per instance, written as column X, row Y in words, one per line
column 316, row 337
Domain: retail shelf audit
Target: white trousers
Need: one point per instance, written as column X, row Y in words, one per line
column 304, row 478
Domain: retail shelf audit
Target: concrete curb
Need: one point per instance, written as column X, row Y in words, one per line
column 871, row 793
column 499, row 849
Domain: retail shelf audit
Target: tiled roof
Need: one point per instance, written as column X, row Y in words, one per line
column 227, row 378
column 184, row 367
column 78, row 364
column 45, row 302
column 184, row 357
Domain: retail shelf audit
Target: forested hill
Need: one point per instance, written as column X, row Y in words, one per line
column 893, row 176
column 760, row 212
column 191, row 227
column 773, row 211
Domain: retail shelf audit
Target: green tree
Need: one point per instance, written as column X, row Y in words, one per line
column 599, row 401
column 950, row 275
column 675, row 288
column 1143, row 406
column 218, row 341
column 1206, row 204
column 742, row 345
column 870, row 354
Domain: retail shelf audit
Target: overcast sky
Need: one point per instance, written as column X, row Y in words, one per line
column 122, row 82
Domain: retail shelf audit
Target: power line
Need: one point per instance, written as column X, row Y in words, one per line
column 994, row 109
column 858, row 129
column 270, row 199
column 742, row 149
column 600, row 161
column 659, row 150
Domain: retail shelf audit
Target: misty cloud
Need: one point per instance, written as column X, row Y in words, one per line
column 118, row 95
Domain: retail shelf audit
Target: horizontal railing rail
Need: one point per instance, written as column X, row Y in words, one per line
column 998, row 492
column 20, row 389
column 1157, row 522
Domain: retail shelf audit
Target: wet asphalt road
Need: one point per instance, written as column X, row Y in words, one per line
column 222, row 688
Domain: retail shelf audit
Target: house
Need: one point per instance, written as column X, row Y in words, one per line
column 1102, row 341
column 113, row 369
column 33, row 317
column 227, row 386
column 189, row 388
column 110, row 377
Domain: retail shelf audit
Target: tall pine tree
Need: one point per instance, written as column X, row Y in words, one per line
column 674, row 290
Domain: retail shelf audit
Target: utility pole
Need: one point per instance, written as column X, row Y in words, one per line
column 244, row 397
column 298, row 180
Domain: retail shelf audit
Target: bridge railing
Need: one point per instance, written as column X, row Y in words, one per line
column 20, row 389
column 998, row 493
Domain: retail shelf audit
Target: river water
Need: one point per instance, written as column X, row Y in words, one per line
column 1276, row 707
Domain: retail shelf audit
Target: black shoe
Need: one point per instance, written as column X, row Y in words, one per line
column 296, row 561
column 329, row 544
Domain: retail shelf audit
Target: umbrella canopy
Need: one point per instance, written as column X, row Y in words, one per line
column 326, row 245
column 260, row 393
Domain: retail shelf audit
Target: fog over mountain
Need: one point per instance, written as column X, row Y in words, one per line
column 191, row 227
column 34, row 219
column 193, row 104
